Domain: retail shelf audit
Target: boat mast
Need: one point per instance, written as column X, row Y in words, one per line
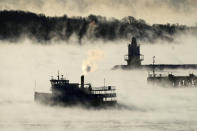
column 58, row 76
column 104, row 82
column 153, row 66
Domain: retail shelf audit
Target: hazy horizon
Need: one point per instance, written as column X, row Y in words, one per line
column 27, row 66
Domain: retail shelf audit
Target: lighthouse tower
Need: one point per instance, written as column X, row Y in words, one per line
column 134, row 57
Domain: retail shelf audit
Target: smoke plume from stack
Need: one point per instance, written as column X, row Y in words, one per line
column 89, row 65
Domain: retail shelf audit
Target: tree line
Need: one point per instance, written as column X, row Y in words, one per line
column 17, row 24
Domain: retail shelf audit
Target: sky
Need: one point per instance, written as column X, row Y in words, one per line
column 152, row 11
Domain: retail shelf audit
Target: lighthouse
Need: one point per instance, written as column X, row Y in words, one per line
column 134, row 57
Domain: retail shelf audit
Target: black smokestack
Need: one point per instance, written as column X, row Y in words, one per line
column 82, row 81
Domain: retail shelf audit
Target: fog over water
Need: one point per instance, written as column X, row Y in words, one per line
column 144, row 107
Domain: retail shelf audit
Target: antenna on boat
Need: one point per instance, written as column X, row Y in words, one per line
column 154, row 66
column 58, row 76
column 104, row 82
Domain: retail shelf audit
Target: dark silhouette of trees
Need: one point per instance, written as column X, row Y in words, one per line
column 17, row 24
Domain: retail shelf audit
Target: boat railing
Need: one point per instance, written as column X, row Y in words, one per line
column 104, row 88
column 157, row 75
column 107, row 95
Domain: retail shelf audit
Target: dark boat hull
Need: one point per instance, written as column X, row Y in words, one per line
column 49, row 99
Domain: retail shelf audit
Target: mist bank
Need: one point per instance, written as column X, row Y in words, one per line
column 16, row 25
column 27, row 67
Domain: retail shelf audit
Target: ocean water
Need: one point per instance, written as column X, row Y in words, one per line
column 28, row 66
